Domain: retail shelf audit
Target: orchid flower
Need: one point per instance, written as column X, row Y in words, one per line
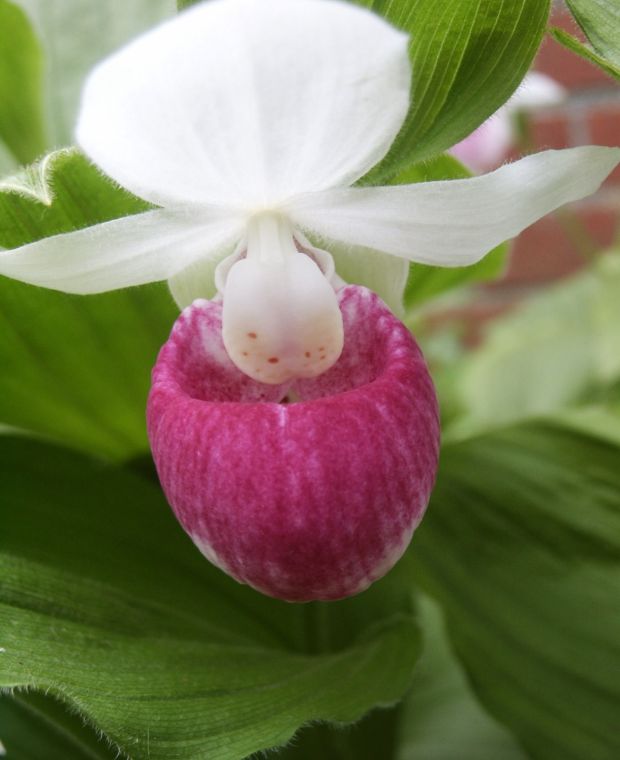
column 292, row 419
column 488, row 145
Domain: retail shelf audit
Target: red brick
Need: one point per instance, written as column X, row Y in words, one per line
column 549, row 130
column 549, row 249
column 542, row 254
column 470, row 320
column 604, row 128
column 604, row 123
column 566, row 67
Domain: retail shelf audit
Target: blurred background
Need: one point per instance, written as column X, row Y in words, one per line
column 563, row 243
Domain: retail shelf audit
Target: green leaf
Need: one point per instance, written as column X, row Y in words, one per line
column 600, row 419
column 21, row 115
column 76, row 34
column 75, row 368
column 576, row 46
column 105, row 603
column 427, row 282
column 521, row 547
column 61, row 193
column 440, row 718
column 600, row 22
column 8, row 162
column 468, row 57
column 553, row 352
column 34, row 726
column 443, row 166
column 373, row 737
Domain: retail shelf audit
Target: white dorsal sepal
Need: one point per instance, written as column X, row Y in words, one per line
column 281, row 316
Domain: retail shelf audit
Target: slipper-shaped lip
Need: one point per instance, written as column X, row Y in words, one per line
column 311, row 499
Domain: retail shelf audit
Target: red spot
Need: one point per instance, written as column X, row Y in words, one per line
column 307, row 354
column 252, row 335
column 321, row 348
column 245, row 353
column 273, row 360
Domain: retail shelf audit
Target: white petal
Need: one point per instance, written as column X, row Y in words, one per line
column 248, row 102
column 129, row 251
column 455, row 222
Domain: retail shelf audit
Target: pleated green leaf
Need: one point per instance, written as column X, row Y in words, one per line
column 37, row 727
column 375, row 736
column 75, row 368
column 440, row 718
column 21, row 74
column 599, row 417
column 578, row 47
column 468, row 57
column 600, row 21
column 521, row 546
column 105, row 603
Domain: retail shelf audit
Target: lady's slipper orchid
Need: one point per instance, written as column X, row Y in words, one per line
column 247, row 122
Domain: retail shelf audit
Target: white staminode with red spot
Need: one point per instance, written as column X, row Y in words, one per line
column 281, row 317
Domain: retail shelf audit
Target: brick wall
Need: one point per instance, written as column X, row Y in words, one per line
column 561, row 243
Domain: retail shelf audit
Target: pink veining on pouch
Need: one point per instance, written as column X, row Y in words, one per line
column 309, row 490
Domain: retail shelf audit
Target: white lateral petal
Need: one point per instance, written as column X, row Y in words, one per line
column 248, row 102
column 129, row 251
column 455, row 222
